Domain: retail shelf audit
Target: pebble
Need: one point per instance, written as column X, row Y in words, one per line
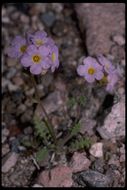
column 5, row 132
column 14, row 145
column 11, row 73
column 94, row 179
column 37, row 185
column 48, row 18
column 60, row 28
column 30, row 92
column 11, row 62
column 12, row 87
column 97, row 150
column 97, row 165
column 28, row 130
column 114, row 160
column 119, row 39
column 61, row 176
column 21, row 109
column 79, row 162
column 18, row 81
column 10, row 162
column 87, row 125
column 114, row 124
column 122, row 158
column 51, row 103
column 123, row 62
column 5, row 149
column 58, row 7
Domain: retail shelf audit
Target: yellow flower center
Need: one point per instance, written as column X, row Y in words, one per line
column 39, row 42
column 91, row 71
column 36, row 59
column 23, row 48
column 53, row 57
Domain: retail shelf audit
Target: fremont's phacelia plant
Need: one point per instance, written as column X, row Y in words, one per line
column 36, row 51
column 100, row 69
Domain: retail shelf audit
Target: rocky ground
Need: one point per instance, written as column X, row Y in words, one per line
column 78, row 32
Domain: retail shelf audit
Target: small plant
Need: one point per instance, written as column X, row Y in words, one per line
column 74, row 101
column 80, row 144
column 38, row 54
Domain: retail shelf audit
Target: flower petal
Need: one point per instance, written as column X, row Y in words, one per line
column 90, row 78
column 44, row 51
column 81, row 70
column 26, row 60
column 89, row 60
column 36, row 69
column 45, row 64
column 99, row 75
column 31, row 49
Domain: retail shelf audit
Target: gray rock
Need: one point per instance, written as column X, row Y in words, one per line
column 87, row 125
column 94, row 179
column 120, row 40
column 52, row 103
column 5, row 149
column 14, row 145
column 60, row 28
column 11, row 72
column 97, row 165
column 10, row 162
column 114, row 124
column 28, row 130
column 95, row 24
column 48, row 18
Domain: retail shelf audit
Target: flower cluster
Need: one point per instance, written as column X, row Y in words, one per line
column 36, row 51
column 100, row 69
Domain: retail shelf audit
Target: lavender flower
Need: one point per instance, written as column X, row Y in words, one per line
column 54, row 61
column 36, row 58
column 17, row 47
column 91, row 70
column 36, row 51
column 39, row 38
column 112, row 79
column 108, row 67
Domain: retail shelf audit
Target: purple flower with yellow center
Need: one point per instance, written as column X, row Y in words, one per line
column 108, row 67
column 36, row 58
column 112, row 79
column 54, row 61
column 91, row 70
column 17, row 47
column 39, row 38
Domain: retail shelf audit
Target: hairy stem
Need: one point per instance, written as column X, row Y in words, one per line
column 47, row 121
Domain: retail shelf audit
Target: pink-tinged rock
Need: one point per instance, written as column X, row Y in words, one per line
column 114, row 124
column 61, row 176
column 52, row 103
column 79, row 162
column 99, row 22
column 96, row 150
column 10, row 162
column 87, row 125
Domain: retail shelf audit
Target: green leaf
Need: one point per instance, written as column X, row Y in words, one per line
column 75, row 129
column 82, row 100
column 80, row 144
column 42, row 154
column 41, row 129
column 72, row 102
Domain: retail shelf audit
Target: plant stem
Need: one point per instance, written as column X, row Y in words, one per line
column 47, row 121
